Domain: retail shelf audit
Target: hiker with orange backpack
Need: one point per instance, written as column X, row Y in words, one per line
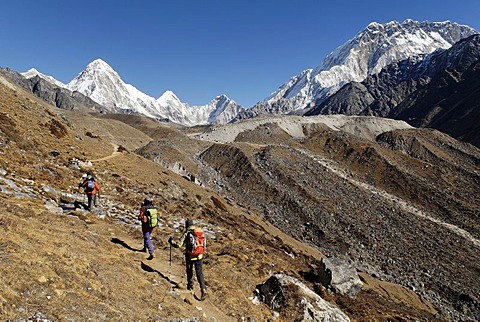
column 195, row 243
column 91, row 189
column 149, row 218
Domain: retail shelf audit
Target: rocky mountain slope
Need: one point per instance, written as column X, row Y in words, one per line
column 402, row 205
column 440, row 91
column 50, row 91
column 274, row 196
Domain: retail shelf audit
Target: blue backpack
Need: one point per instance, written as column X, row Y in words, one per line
column 90, row 185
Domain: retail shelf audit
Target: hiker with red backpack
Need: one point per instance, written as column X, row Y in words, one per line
column 91, row 189
column 195, row 244
column 149, row 218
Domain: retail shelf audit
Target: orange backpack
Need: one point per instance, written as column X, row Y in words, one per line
column 196, row 242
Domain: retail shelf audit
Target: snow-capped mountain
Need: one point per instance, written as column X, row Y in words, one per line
column 441, row 91
column 372, row 49
column 218, row 111
column 103, row 84
column 221, row 110
column 367, row 53
column 32, row 72
column 100, row 82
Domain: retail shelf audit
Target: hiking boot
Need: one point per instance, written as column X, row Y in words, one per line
column 144, row 250
column 150, row 257
column 203, row 295
column 189, row 287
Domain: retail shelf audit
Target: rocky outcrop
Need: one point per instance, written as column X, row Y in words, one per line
column 16, row 77
column 449, row 103
column 282, row 292
column 282, row 106
column 339, row 276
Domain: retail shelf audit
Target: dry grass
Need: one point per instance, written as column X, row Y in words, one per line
column 76, row 266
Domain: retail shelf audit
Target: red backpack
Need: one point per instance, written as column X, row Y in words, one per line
column 196, row 242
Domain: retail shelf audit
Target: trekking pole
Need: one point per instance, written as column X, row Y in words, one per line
column 169, row 274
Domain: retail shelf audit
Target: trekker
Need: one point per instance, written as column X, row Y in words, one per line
column 149, row 218
column 91, row 188
column 193, row 254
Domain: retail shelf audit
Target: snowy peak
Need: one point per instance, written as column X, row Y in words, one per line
column 99, row 64
column 377, row 46
column 103, row 84
column 395, row 41
column 169, row 98
column 220, row 110
column 222, row 99
column 96, row 70
column 223, row 110
column 101, row 70
column 32, row 72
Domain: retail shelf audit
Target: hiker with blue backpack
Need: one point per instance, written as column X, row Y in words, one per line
column 195, row 243
column 91, row 189
column 149, row 218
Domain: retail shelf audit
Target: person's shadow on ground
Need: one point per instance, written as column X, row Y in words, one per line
column 78, row 204
column 68, row 206
column 143, row 266
column 124, row 244
column 150, row 269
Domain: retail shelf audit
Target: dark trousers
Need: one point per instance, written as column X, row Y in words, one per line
column 198, row 271
column 92, row 200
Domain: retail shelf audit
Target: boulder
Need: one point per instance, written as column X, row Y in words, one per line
column 339, row 277
column 295, row 300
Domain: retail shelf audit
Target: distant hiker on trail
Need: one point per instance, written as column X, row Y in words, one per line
column 195, row 244
column 91, row 188
column 149, row 218
column 74, row 163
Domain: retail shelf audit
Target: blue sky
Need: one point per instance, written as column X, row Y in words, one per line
column 199, row 49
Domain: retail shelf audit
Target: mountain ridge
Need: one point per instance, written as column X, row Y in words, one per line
column 101, row 83
column 419, row 92
column 378, row 46
column 366, row 53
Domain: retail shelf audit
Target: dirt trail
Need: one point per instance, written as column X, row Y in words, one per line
column 114, row 154
column 173, row 273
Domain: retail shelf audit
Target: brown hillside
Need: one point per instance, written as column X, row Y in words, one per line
column 272, row 205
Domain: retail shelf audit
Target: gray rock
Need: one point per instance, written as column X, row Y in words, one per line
column 53, row 207
column 339, row 276
column 279, row 289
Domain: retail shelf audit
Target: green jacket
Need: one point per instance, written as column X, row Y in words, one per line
column 181, row 242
